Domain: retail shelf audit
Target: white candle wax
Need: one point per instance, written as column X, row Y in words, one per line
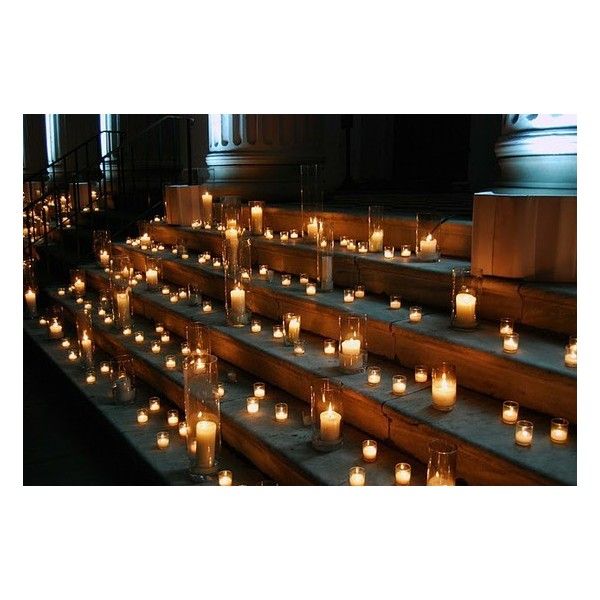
column 123, row 304
column 55, row 330
column 351, row 347
column 225, row 480
column 402, row 476
column 395, row 304
column 262, row 271
column 281, row 413
column 312, row 228
column 255, row 328
column 154, row 406
column 444, row 392
column 294, row 329
column 277, row 333
column 311, row 290
column 139, row 338
column 357, row 479
column 558, row 435
column 523, row 437
column 359, row 293
column 259, row 392
column 399, row 387
column 155, row 348
column 510, row 344
column 415, row 317
column 172, row 420
column 72, row 355
column 162, row 442
column 207, row 206
column 330, row 421
column 388, row 254
column 238, row 301
column 405, row 252
column 269, row 234
column 374, row 378
column 439, row 479
column 465, row 309
column 252, row 406
column 152, row 276
column 350, row 245
column 329, row 349
column 369, row 453
column 104, row 369
column 506, row 330
column 206, row 307
column 142, row 418
column 510, row 414
column 348, row 298
column 428, row 246
column 420, row 377
column 91, row 378
column 171, row 363
column 286, row 281
column 571, row 359
column 376, row 241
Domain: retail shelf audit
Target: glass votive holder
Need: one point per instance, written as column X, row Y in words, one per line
column 162, row 440
column 357, row 476
column 421, row 373
column 398, row 385
column 142, row 416
column 405, row 250
column 174, row 297
column 524, row 433
column 263, row 271
column 402, row 473
column 348, row 296
column 154, row 404
column 182, row 428
column 206, row 306
column 373, row 375
column 303, row 278
column 185, row 349
column 182, row 293
column 79, row 300
column 268, row 233
column 72, row 356
column 87, row 304
column 363, row 247
column 259, row 389
column 108, row 319
column 216, row 262
column 277, row 332
column 343, row 241
column 294, row 235
column 311, row 289
column 165, row 290
column 510, row 343
column 171, row 362
column 127, row 330
column 559, row 431
column 286, row 279
column 105, row 367
column 299, row 347
column 329, row 347
column 220, row 390
column 395, row 302
column 571, row 353
column 415, row 314
column 172, row 418
column 351, row 245
column 138, row 337
column 510, row 412
column 43, row 321
column 281, row 412
column 507, row 326
column 225, row 478
column 90, row 376
column 155, row 346
column 388, row 252
column 61, row 291
column 359, row 291
column 369, row 451
column 252, row 405
column 165, row 337
column 255, row 326
column 65, row 343
column 284, row 236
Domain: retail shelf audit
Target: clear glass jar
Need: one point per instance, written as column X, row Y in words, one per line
column 123, row 380
column 153, row 273
column 122, row 302
column 256, row 208
column 441, row 466
column 443, row 386
column 466, row 291
column 427, row 232
column 102, row 247
column 291, row 328
column 352, row 343
column 571, row 353
column 375, row 228
column 78, row 282
column 402, row 473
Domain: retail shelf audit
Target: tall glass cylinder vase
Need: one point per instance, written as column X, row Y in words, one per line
column 375, row 229
column 78, row 282
column 441, row 466
column 102, row 247
column 311, row 198
column 256, row 208
column 123, row 380
column 427, row 230
column 144, row 230
column 122, row 302
column 466, row 292
column 198, row 339
column 327, row 412
column 231, row 212
column 291, row 328
column 153, row 273
column 352, row 349
column 85, row 337
column 237, row 287
column 120, row 268
column 325, row 244
column 202, row 414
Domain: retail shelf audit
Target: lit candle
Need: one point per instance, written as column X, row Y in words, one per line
column 359, row 291
column 104, row 258
column 428, row 246
column 185, row 349
column 329, row 347
column 293, row 330
column 226, row 477
column 255, row 327
column 252, row 405
column 154, row 404
column 142, row 415
column 139, row 337
column 155, row 347
column 43, row 321
column 259, row 390
column 182, row 293
column 61, row 291
column 268, row 233
column 152, row 276
column 206, row 306
column 281, row 412
column 510, row 343
column 343, row 241
column 374, row 376
column 440, row 479
column 369, row 450
column 465, row 310
column 303, row 278
column 172, row 418
column 351, row 347
column 398, row 384
column 216, row 263
column 183, row 429
column 330, row 421
column 312, row 227
column 104, row 367
column 402, row 473
column 238, row 302
column 395, row 302
column 571, row 352
column 350, row 245
column 277, row 331
column 298, row 347
column 145, row 239
column 123, row 304
column 91, row 378
column 405, row 251
column 256, row 216
column 363, row 247
column 86, row 346
column 263, row 270
column 220, row 390
column 79, row 286
column 356, row 476
column 30, row 299
column 171, row 363
column 388, row 252
column 348, row 296
column 420, row 374
column 524, row 433
column 311, row 289
column 174, row 297
column 65, row 343
column 207, row 207
column 166, row 290
column 127, row 330
column 73, row 355
column 506, row 326
column 162, row 440
column 510, row 412
column 79, row 300
column 55, row 330
column 443, row 391
column 415, row 314
column 286, row 280
column 559, row 431
column 376, row 241
column 293, row 234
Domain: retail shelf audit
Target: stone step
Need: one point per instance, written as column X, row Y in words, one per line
column 169, row 466
column 536, row 376
column 283, row 451
column 423, row 283
column 408, row 422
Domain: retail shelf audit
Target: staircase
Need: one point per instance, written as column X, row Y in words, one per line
column 259, row 448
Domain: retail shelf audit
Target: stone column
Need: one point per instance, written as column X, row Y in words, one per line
column 258, row 156
column 527, row 227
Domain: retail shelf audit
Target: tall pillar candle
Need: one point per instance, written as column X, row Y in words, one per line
column 207, row 207
column 238, row 301
column 206, row 438
column 30, row 299
column 256, row 219
column 465, row 315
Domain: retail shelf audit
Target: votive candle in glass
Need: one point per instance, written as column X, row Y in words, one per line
column 183, row 429
column 284, row 236
column 299, row 347
column 154, row 404
column 286, row 279
column 166, row 290
column 142, row 416
column 507, row 326
column 329, row 347
column 311, row 289
column 61, row 291
column 294, row 234
column 252, row 405
column 73, row 356
column 524, row 433
column 172, row 418
column 268, row 233
column 259, row 389
column 90, row 376
column 343, row 241
column 138, row 337
column 369, row 451
column 421, row 373
column 303, row 278
column 263, row 270
column 220, row 390
column 165, row 337
column 510, row 412
column 255, row 326
column 398, row 385
column 127, row 330
column 357, row 476
column 405, row 250
column 373, row 375
column 206, row 306
column 159, row 327
column 105, row 367
column 277, row 332
column 216, row 263
column 348, row 296
column 510, row 343
column 443, row 386
column 171, row 362
column 225, row 478
column 363, row 247
column 155, row 346
column 571, row 353
column 415, row 314
column 174, row 297
column 351, row 245
column 182, row 293
column 281, row 412
column 559, row 431
column 395, row 302
column 402, row 473
column 185, row 349
column 65, row 343
column 359, row 291
column 162, row 440
column 388, row 252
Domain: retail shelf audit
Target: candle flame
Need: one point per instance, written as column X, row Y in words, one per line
column 429, row 237
column 85, row 336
